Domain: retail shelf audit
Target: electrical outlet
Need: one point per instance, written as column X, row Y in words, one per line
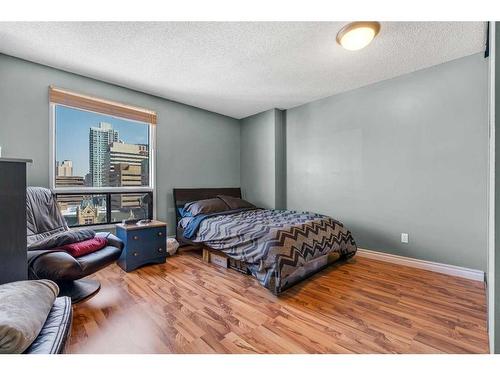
column 404, row 237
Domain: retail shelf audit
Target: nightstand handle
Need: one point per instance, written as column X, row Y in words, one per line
column 160, row 250
column 160, row 234
column 136, row 237
column 135, row 253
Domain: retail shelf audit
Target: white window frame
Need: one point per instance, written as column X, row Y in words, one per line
column 95, row 190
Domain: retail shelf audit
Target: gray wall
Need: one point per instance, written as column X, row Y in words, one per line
column 258, row 168
column 263, row 163
column 195, row 148
column 280, row 158
column 408, row 154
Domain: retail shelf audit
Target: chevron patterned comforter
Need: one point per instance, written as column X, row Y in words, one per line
column 279, row 247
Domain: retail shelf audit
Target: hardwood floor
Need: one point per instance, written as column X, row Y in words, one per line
column 364, row 306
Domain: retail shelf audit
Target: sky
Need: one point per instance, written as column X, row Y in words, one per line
column 72, row 134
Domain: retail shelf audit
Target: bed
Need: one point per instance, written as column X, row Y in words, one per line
column 279, row 247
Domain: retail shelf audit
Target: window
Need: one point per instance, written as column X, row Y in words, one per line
column 102, row 159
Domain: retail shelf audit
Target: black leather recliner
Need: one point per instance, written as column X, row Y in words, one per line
column 44, row 221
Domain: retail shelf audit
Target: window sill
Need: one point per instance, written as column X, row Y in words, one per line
column 97, row 228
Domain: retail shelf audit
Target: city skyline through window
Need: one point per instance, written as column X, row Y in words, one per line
column 97, row 150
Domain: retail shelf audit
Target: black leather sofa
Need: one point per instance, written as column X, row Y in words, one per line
column 55, row 333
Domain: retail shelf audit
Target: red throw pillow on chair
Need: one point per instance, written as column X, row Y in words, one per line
column 79, row 249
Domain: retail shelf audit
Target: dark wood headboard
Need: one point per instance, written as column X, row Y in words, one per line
column 183, row 196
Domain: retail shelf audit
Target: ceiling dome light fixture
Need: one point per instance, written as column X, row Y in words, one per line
column 357, row 35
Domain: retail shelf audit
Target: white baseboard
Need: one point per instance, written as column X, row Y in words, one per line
column 447, row 269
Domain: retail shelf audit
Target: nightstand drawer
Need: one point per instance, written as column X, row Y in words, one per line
column 146, row 253
column 158, row 234
column 147, row 244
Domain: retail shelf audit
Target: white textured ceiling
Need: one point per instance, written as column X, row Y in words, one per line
column 237, row 68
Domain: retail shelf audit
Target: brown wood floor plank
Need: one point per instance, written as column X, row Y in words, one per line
column 362, row 306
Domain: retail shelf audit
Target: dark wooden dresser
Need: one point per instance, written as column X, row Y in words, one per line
column 13, row 253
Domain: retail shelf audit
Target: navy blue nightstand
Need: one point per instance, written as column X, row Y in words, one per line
column 144, row 244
